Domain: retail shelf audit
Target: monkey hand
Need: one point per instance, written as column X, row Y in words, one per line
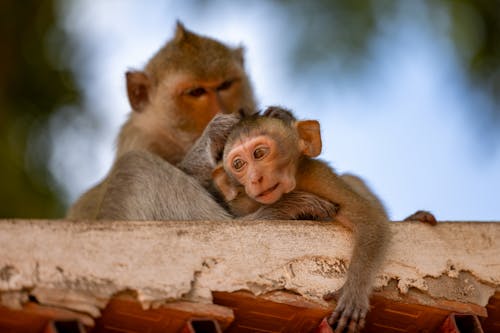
column 297, row 205
column 218, row 130
column 422, row 216
column 350, row 313
column 201, row 159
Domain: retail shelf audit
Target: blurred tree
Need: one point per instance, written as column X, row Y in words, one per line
column 475, row 30
column 33, row 84
column 342, row 30
column 334, row 29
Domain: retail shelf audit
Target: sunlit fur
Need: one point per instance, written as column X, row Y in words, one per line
column 165, row 122
column 166, row 153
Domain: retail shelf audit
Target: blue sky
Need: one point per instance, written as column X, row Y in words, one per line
column 404, row 123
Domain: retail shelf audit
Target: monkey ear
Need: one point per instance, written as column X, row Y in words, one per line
column 239, row 54
column 138, row 85
column 223, row 183
column 310, row 137
column 180, row 31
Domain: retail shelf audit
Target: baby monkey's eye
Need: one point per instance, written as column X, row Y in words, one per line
column 260, row 152
column 238, row 164
column 196, row 92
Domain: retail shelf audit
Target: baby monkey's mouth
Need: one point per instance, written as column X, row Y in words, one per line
column 269, row 190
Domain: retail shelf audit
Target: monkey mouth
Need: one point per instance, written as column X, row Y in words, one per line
column 268, row 191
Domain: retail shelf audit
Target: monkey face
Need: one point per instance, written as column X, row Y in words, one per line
column 201, row 100
column 257, row 164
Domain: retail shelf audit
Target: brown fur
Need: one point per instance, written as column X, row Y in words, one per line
column 164, row 124
column 187, row 83
column 358, row 207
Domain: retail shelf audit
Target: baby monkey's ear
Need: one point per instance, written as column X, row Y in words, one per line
column 223, row 183
column 310, row 137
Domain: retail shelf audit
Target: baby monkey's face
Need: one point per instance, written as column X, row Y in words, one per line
column 257, row 164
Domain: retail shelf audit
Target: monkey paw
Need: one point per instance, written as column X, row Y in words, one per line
column 297, row 205
column 422, row 216
column 307, row 206
column 218, row 130
column 350, row 312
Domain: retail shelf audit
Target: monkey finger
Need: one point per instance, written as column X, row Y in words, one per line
column 358, row 321
column 342, row 324
column 354, row 323
column 362, row 322
column 332, row 319
column 353, row 327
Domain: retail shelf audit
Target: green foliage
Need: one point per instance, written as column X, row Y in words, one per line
column 334, row 29
column 334, row 37
column 32, row 86
column 476, row 31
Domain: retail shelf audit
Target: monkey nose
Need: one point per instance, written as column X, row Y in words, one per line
column 217, row 104
column 257, row 179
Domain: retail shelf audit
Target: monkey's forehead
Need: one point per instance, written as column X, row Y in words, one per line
column 201, row 56
column 261, row 125
column 283, row 135
column 243, row 146
column 244, row 133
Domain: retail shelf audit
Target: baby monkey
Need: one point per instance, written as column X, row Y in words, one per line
column 269, row 155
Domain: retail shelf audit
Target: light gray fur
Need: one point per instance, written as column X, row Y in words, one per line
column 201, row 159
column 143, row 186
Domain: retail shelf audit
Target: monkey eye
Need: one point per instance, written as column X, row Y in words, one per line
column 196, row 92
column 225, row 85
column 260, row 152
column 238, row 164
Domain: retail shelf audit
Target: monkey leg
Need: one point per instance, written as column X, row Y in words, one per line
column 143, row 186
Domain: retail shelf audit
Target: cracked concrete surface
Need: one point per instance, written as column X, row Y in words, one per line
column 80, row 265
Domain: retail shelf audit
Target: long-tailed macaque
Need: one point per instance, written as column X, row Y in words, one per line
column 184, row 85
column 268, row 156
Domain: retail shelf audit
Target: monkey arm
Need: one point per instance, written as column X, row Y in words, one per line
column 369, row 224
column 143, row 186
column 198, row 162
column 295, row 205
column 201, row 159
column 87, row 206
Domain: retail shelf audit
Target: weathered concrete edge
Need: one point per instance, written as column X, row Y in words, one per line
column 80, row 265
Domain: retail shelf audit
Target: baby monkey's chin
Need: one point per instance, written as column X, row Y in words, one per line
column 269, row 198
column 270, row 195
column 273, row 194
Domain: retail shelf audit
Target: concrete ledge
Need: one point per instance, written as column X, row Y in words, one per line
column 81, row 265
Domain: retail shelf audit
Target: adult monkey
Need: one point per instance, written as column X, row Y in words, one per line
column 182, row 88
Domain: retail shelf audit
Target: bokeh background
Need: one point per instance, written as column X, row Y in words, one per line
column 407, row 92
